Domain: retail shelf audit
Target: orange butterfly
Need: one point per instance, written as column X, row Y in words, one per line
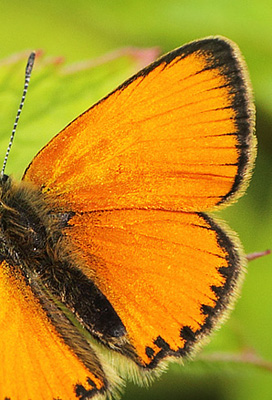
column 110, row 265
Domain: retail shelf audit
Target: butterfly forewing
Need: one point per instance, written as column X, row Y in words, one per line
column 42, row 358
column 178, row 135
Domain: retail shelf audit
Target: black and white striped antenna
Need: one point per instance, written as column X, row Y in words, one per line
column 28, row 70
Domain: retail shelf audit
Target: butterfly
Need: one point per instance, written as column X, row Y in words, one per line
column 111, row 264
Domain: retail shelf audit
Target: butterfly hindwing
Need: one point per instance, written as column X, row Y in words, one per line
column 170, row 276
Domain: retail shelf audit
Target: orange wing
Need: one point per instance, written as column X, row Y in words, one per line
column 169, row 275
column 41, row 363
column 135, row 171
column 178, row 135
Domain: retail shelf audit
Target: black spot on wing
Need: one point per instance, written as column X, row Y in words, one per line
column 223, row 293
column 85, row 394
column 149, row 352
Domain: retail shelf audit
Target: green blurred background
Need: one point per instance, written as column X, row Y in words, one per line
column 77, row 30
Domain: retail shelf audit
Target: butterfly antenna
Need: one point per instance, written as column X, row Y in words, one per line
column 28, row 71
